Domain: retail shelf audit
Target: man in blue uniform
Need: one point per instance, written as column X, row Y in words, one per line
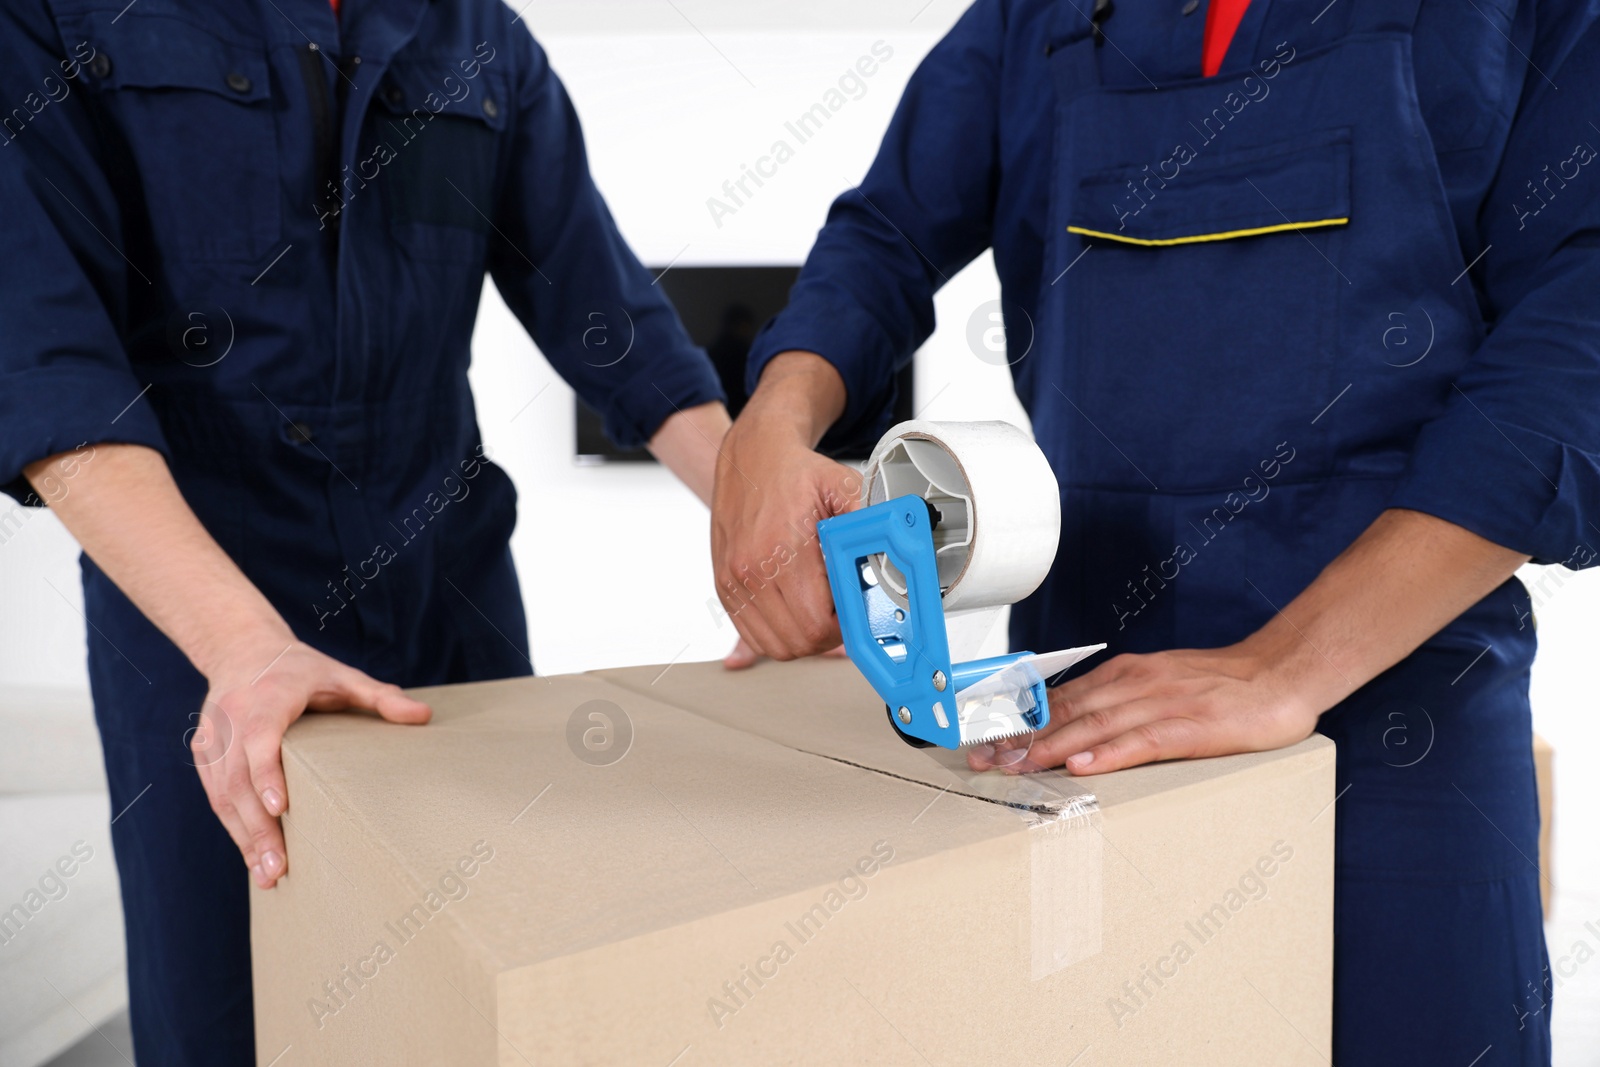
column 241, row 260
column 1313, row 345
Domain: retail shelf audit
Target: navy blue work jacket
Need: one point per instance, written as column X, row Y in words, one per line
column 254, row 238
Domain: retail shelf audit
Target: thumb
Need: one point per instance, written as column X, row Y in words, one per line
column 741, row 657
column 387, row 700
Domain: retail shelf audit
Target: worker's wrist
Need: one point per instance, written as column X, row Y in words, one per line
column 238, row 651
column 1288, row 658
column 799, row 394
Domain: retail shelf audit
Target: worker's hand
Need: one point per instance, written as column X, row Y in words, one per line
column 236, row 744
column 771, row 490
column 1167, row 705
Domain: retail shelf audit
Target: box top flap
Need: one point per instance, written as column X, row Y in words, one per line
column 780, row 780
column 695, row 819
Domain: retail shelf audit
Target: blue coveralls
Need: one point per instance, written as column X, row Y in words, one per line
column 1356, row 270
column 254, row 239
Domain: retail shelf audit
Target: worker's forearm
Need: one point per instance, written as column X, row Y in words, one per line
column 687, row 444
column 799, row 393
column 1402, row 581
column 125, row 510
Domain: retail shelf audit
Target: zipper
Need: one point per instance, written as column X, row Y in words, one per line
column 325, row 201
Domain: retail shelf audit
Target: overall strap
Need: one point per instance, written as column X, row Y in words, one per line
column 1382, row 16
column 1074, row 47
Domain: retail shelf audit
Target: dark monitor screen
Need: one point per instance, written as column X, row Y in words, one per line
column 722, row 308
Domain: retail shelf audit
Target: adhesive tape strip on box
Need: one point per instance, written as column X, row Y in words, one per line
column 998, row 509
column 1066, row 864
column 1067, row 888
column 1065, row 858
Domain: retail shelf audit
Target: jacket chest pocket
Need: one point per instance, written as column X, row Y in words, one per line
column 434, row 137
column 1187, row 198
column 1204, row 311
column 195, row 117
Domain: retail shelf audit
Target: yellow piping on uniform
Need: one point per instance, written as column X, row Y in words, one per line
column 1224, row 236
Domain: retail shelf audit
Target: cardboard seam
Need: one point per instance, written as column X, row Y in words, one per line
column 1282, row 766
column 1072, row 807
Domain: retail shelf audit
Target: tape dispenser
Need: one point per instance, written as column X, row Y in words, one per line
column 956, row 516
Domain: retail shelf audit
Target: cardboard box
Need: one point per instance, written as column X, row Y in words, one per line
column 1544, row 771
column 686, row 866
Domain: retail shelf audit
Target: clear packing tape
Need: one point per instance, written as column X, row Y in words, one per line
column 1065, row 858
column 996, row 507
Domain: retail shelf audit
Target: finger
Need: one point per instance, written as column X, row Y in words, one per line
column 266, row 837
column 211, row 779
column 838, row 652
column 844, row 494
column 750, row 596
column 353, row 688
column 393, row 704
column 805, row 584
column 788, row 638
column 806, row 591
column 1009, row 750
column 1084, row 733
column 981, row 757
column 815, row 633
column 1014, row 755
column 1160, row 739
column 266, row 774
column 1068, row 701
column 753, row 629
column 1105, row 685
column 209, row 743
column 741, row 657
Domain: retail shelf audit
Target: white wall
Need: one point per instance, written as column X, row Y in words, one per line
column 624, row 574
column 41, row 602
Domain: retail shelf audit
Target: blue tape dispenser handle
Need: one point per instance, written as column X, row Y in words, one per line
column 904, row 652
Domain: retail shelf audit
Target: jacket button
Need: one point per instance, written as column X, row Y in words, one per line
column 490, row 108
column 393, row 95
column 100, row 65
column 238, row 82
column 300, row 433
column 1191, row 7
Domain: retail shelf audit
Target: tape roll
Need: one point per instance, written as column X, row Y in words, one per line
column 997, row 519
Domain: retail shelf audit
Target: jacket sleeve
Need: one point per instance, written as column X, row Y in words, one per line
column 864, row 301
column 1515, row 454
column 568, row 275
column 65, row 380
